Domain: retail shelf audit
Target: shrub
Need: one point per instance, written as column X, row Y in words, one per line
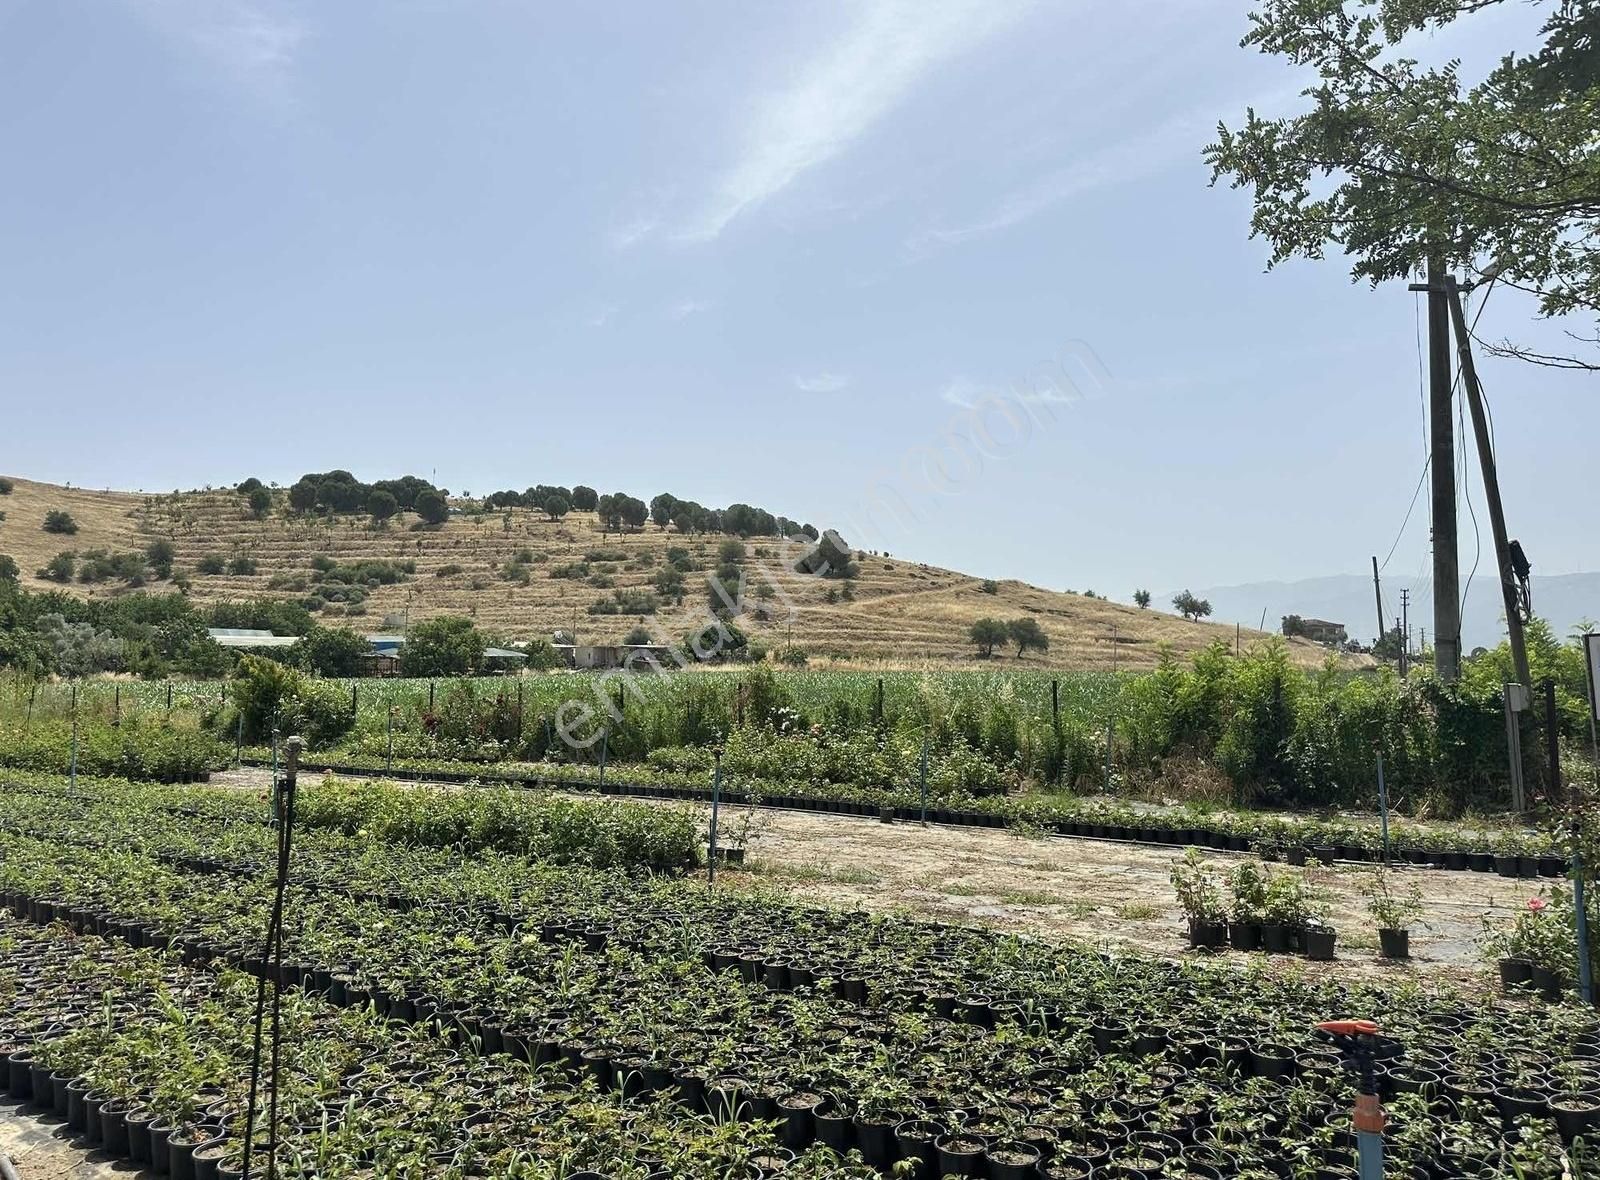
column 260, row 501
column 6, row 486
column 268, row 695
column 211, row 563
column 8, row 568
column 431, row 506
column 449, row 570
column 444, row 646
column 242, row 566
column 60, row 568
column 161, row 554
column 60, row 522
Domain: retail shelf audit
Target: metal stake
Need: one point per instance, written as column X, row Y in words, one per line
column 716, row 800
column 388, row 764
column 72, row 780
column 1383, row 807
column 605, row 743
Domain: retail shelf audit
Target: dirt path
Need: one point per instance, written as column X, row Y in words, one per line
column 43, row 1149
column 1097, row 891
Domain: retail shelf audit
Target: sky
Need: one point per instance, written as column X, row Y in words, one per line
column 946, row 274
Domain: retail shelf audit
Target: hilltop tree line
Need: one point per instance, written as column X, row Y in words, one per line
column 341, row 492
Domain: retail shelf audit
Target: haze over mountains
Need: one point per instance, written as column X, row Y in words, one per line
column 1566, row 600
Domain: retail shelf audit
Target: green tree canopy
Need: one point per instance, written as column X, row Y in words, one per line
column 444, row 646
column 1394, row 160
column 1025, row 633
column 332, row 651
column 988, row 634
column 1190, row 607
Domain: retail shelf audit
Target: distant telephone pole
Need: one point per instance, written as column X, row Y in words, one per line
column 1405, row 631
column 1377, row 590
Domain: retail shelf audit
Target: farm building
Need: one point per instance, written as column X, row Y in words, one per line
column 612, row 655
column 245, row 638
column 1316, row 630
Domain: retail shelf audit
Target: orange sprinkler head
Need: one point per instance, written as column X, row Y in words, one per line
column 1349, row 1028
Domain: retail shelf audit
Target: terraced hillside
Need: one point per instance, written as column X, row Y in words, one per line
column 522, row 576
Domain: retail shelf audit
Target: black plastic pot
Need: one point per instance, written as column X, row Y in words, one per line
column 1319, row 942
column 1576, row 1114
column 1394, row 944
column 137, row 1121
column 797, row 1128
column 1012, row 1161
column 1244, row 936
column 1515, row 972
column 959, row 1155
column 1548, row 983
column 1274, row 938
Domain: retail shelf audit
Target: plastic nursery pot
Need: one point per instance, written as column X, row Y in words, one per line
column 1549, row 984
column 1394, row 944
column 959, row 1155
column 1515, row 972
column 1012, row 1161
column 1319, row 942
column 208, row 1158
column 1576, row 1114
column 1244, row 936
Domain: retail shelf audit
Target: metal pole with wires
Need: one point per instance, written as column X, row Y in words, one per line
column 716, row 800
column 270, row 969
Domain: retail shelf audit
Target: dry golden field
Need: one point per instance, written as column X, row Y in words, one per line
column 903, row 611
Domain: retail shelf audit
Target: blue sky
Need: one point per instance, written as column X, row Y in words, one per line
column 770, row 253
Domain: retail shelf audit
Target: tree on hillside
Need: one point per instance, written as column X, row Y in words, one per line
column 303, row 495
column 381, row 505
column 60, row 568
column 988, row 634
column 634, row 511
column 161, row 554
column 555, row 507
column 260, row 501
column 1189, row 606
column 444, row 646
column 1393, row 161
column 245, row 486
column 1141, row 598
column 431, row 506
column 584, row 498
column 661, row 509
column 8, row 568
column 60, row 522
column 1025, row 633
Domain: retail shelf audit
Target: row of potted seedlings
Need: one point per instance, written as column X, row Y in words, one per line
column 1101, row 1027
column 148, row 1061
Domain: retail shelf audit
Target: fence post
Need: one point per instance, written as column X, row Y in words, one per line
column 605, row 742
column 1552, row 737
column 1055, row 725
column 169, row 696
column 1581, row 914
column 352, row 696
column 72, row 779
column 388, row 764
column 922, row 776
column 1383, row 807
column 116, row 708
column 879, row 707
column 33, row 691
column 430, row 696
column 238, row 742
column 716, row 801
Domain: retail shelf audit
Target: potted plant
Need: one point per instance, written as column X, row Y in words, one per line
column 1393, row 908
column 1247, row 885
column 1200, row 898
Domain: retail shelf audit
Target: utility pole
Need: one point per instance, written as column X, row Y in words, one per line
column 1491, row 484
column 1401, row 636
column 1442, row 441
column 1405, row 631
column 1377, row 590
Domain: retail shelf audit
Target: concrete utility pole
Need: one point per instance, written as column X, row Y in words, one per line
column 1405, row 631
column 1446, row 561
column 1491, row 484
column 1377, row 590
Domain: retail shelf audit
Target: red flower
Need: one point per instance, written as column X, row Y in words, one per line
column 1538, row 904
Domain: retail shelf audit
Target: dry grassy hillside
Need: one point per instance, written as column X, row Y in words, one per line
column 902, row 610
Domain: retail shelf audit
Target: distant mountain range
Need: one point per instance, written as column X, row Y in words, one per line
column 1564, row 599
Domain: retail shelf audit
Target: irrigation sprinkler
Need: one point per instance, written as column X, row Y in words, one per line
column 716, row 804
column 1361, row 1045
column 1383, row 807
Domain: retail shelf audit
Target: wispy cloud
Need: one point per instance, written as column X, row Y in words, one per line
column 600, row 316
column 629, row 233
column 838, row 95
column 685, row 308
column 822, row 383
column 252, row 42
column 1051, row 385
column 1172, row 141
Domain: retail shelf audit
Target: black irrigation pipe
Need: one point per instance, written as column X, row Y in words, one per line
column 1155, row 836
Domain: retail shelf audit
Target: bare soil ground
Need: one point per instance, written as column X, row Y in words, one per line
column 1097, row 891
column 43, row 1149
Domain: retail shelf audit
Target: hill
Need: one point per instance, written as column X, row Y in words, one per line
column 522, row 575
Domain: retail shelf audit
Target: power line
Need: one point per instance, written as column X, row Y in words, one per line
column 1422, row 479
